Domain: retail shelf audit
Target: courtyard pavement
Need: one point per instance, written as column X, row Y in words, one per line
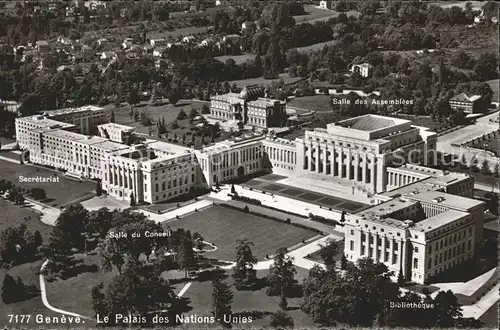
column 467, row 133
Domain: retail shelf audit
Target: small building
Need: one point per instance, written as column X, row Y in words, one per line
column 232, row 38
column 248, row 26
column 188, row 39
column 326, row 4
column 364, row 69
column 206, row 42
column 42, row 46
column 160, row 52
column 107, row 55
column 468, row 104
column 157, row 42
column 64, row 40
column 127, row 43
column 102, row 41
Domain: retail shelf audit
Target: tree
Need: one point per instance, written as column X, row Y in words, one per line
column 343, row 262
column 133, row 97
column 496, row 170
column 222, row 297
column 192, row 114
column 174, row 96
column 205, row 109
column 9, row 289
column 69, row 230
column 328, row 252
column 447, row 309
column 181, row 115
column 487, row 67
column 38, row 238
column 186, row 257
column 281, row 319
column 281, row 276
column 132, row 200
column 233, row 190
column 38, row 193
column 401, row 279
column 356, row 296
column 98, row 188
column 485, row 167
column 17, row 244
column 112, row 118
column 243, row 272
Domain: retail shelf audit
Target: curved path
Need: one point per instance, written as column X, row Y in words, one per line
column 43, row 292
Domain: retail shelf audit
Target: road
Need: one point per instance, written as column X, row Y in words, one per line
column 467, row 133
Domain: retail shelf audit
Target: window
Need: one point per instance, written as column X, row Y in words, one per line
column 352, row 232
column 352, row 245
column 415, row 249
column 415, row 262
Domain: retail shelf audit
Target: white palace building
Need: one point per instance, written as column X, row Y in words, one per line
column 424, row 221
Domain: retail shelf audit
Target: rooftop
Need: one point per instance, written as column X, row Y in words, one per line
column 117, row 126
column 168, row 148
column 370, row 123
column 62, row 134
column 42, row 121
column 462, row 97
column 444, row 199
column 440, row 220
column 65, row 111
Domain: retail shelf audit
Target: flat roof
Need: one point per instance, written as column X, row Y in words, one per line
column 387, row 208
column 110, row 145
column 439, row 220
column 43, row 121
column 448, row 200
column 65, row 111
column 167, row 147
column 118, row 126
column 65, row 135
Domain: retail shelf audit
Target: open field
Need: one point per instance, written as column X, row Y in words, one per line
column 224, row 227
column 315, row 14
column 238, row 59
column 261, row 81
column 33, row 306
column 318, row 103
column 253, row 303
column 316, row 47
column 12, row 215
column 58, row 193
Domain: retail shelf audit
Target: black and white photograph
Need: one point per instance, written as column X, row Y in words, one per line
column 256, row 164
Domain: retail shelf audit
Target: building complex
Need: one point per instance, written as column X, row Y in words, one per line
column 424, row 221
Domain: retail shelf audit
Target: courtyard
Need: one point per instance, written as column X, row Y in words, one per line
column 224, row 227
column 58, row 193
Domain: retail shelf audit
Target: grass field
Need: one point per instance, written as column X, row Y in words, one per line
column 167, row 112
column 238, row 59
column 224, row 227
column 314, row 14
column 316, row 47
column 261, row 81
column 319, row 103
column 58, row 193
column 255, row 303
column 15, row 214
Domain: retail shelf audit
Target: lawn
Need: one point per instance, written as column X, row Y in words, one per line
column 15, row 214
column 314, row 14
column 238, row 59
column 318, row 103
column 33, row 306
column 261, row 81
column 316, row 47
column 224, row 227
column 168, row 113
column 250, row 303
column 59, row 193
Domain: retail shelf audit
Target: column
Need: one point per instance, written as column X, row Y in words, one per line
column 333, row 161
column 325, row 160
column 365, row 160
column 348, row 165
column 341, row 161
column 383, row 249
column 356, row 167
column 309, row 157
column 316, row 169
